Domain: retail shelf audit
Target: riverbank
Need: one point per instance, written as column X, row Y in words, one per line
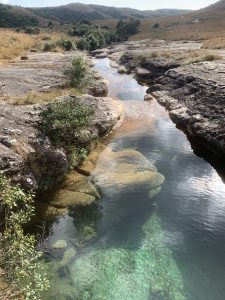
column 26, row 155
column 184, row 78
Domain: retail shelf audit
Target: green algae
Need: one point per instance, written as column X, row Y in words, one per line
column 149, row 272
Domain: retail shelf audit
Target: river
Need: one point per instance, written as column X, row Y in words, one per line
column 165, row 245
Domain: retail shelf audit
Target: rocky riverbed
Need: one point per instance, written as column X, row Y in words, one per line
column 187, row 80
column 26, row 156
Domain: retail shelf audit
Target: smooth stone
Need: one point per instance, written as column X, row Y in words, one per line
column 101, row 55
column 122, row 70
column 67, row 198
column 154, row 192
column 127, row 170
column 149, row 97
column 60, row 244
column 69, row 254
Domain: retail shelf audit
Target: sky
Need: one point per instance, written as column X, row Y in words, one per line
column 140, row 4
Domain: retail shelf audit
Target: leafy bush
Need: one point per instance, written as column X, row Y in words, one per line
column 156, row 26
column 19, row 259
column 96, row 37
column 65, row 44
column 83, row 44
column 62, row 121
column 128, row 27
column 78, row 72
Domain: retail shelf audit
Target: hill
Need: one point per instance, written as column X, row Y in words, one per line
column 206, row 23
column 16, row 16
column 77, row 11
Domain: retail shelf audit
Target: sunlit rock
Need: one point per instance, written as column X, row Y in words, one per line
column 126, row 170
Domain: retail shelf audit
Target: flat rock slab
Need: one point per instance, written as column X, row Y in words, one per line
column 40, row 72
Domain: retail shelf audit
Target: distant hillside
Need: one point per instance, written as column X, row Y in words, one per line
column 205, row 23
column 77, row 11
column 15, row 16
column 166, row 12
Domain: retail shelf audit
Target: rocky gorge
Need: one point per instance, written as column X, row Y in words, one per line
column 27, row 156
column 187, row 80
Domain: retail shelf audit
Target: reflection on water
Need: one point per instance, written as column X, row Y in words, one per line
column 139, row 245
column 122, row 87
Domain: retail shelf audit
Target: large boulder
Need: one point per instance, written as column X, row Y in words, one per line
column 126, row 171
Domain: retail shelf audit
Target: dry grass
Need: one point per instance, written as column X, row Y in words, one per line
column 205, row 24
column 35, row 97
column 214, row 43
column 14, row 44
column 184, row 57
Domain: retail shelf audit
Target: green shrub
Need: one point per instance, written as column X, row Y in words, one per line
column 62, row 121
column 78, row 72
column 83, row 44
column 65, row 44
column 19, row 259
column 93, row 36
column 128, row 27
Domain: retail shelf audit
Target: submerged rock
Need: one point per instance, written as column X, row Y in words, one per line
column 60, row 244
column 126, row 170
column 146, row 272
column 67, row 198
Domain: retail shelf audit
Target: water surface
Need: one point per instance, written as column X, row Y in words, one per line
column 135, row 247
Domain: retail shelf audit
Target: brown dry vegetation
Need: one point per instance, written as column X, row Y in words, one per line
column 14, row 44
column 206, row 24
column 184, row 57
column 35, row 97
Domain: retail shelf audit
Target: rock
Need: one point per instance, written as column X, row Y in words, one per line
column 40, row 72
column 98, row 88
column 44, row 211
column 149, row 97
column 101, row 55
column 67, row 198
column 122, row 70
column 30, row 159
column 24, row 58
column 99, row 51
column 126, row 170
column 69, row 255
column 194, row 95
column 141, row 72
column 60, row 244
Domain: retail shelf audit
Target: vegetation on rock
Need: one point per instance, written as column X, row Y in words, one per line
column 78, row 72
column 19, row 258
column 62, row 122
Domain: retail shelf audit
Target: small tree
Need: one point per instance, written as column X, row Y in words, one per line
column 77, row 73
column 156, row 26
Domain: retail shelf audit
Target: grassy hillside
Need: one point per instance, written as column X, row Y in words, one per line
column 207, row 23
column 15, row 16
column 77, row 12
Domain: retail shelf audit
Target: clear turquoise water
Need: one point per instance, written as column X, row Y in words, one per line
column 132, row 248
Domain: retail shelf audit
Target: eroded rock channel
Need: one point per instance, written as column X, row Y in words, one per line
column 143, row 217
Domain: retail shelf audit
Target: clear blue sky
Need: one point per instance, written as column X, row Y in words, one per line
column 139, row 4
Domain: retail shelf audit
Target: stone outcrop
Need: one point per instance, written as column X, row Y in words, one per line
column 195, row 97
column 28, row 157
column 194, row 93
